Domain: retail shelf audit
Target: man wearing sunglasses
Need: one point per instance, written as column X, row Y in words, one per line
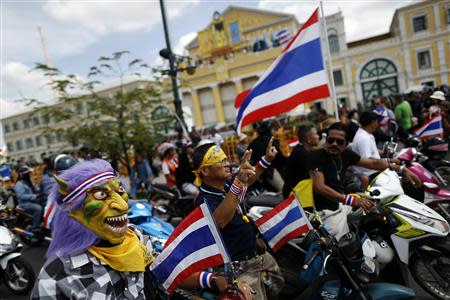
column 327, row 169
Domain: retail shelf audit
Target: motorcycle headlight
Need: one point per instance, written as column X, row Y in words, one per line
column 4, row 248
column 442, row 226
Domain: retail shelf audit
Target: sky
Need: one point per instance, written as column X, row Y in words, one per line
column 78, row 32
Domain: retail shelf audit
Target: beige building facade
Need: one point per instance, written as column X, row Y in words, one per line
column 240, row 44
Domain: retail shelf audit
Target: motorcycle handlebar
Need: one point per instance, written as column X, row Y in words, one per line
column 310, row 260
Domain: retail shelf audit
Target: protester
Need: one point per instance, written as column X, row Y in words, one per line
column 386, row 117
column 242, row 145
column 141, row 173
column 403, row 114
column 28, row 197
column 215, row 137
column 296, row 165
column 222, row 193
column 93, row 253
column 353, row 124
column 184, row 173
column 169, row 163
column 327, row 169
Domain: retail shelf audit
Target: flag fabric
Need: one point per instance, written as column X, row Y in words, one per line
column 433, row 127
column 296, row 76
column 283, row 223
column 283, row 36
column 49, row 212
column 294, row 142
column 194, row 245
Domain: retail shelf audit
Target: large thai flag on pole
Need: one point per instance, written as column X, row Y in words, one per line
column 433, row 127
column 296, row 76
column 283, row 223
column 194, row 245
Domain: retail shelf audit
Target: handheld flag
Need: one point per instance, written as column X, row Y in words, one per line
column 296, row 76
column 195, row 245
column 283, row 223
column 294, row 142
column 433, row 127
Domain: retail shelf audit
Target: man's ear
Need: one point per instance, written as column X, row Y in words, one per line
column 205, row 171
column 63, row 185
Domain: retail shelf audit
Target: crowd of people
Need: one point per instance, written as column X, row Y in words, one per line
column 198, row 166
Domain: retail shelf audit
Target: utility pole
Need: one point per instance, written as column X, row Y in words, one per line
column 173, row 71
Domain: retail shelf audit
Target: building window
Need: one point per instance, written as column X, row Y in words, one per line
column 6, row 128
column 378, row 78
column 448, row 15
column 337, row 76
column 333, row 40
column 15, row 126
column 79, row 108
column 420, row 23
column 59, row 136
column 424, row 59
column 48, row 139
column 18, row 145
column 36, row 121
column 26, row 124
column 45, row 119
column 29, row 143
column 10, row 147
column 37, row 141
column 429, row 83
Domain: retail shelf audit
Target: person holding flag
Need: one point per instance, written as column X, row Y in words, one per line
column 223, row 194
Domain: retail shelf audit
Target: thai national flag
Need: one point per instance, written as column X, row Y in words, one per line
column 296, row 76
column 294, row 142
column 283, row 36
column 195, row 245
column 433, row 127
column 283, row 223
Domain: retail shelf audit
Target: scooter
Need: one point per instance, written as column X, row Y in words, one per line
column 417, row 233
column 15, row 273
column 140, row 213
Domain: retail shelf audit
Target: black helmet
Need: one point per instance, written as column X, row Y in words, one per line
column 24, row 170
column 63, row 162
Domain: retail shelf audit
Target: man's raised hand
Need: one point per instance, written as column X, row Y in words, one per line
column 271, row 151
column 246, row 170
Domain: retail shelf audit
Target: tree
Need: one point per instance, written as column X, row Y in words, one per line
column 112, row 121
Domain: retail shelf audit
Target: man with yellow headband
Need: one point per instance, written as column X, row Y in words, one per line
column 224, row 195
column 94, row 254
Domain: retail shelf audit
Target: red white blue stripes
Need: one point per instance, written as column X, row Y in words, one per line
column 195, row 245
column 82, row 187
column 283, row 223
column 296, row 76
column 432, row 127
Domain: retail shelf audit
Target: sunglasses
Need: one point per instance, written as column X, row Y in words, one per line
column 339, row 142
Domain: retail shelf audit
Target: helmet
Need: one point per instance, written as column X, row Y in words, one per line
column 384, row 252
column 24, row 170
column 63, row 162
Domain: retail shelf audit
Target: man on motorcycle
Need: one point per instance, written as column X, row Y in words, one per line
column 327, row 169
column 28, row 197
column 224, row 194
column 93, row 253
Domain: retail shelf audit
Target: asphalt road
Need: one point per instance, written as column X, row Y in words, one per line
column 35, row 256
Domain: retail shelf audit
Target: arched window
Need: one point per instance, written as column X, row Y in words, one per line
column 333, row 40
column 378, row 78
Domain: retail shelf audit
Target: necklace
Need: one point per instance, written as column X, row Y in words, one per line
column 338, row 171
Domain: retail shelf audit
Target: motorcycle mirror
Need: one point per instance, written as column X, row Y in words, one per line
column 430, row 185
column 374, row 193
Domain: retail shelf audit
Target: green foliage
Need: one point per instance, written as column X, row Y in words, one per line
column 113, row 121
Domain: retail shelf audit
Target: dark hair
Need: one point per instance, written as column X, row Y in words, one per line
column 303, row 131
column 338, row 126
column 351, row 114
column 367, row 117
column 199, row 153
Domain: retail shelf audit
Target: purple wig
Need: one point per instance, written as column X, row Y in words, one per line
column 69, row 236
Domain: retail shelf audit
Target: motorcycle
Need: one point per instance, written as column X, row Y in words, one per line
column 433, row 192
column 418, row 234
column 15, row 272
column 172, row 201
column 344, row 270
column 140, row 213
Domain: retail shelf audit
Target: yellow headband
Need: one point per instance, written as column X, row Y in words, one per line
column 214, row 155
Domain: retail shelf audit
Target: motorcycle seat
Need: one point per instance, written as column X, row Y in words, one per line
column 264, row 200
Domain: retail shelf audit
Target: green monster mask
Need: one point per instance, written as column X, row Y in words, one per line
column 104, row 211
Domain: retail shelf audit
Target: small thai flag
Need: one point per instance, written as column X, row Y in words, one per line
column 433, row 127
column 283, row 36
column 195, row 245
column 283, row 223
column 294, row 142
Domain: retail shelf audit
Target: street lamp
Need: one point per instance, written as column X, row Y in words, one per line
column 174, row 66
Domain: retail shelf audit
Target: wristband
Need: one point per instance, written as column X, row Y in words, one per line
column 263, row 163
column 205, row 280
column 349, row 200
column 235, row 189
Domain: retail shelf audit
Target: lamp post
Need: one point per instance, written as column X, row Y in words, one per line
column 173, row 66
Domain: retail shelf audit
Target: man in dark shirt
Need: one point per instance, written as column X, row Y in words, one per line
column 223, row 195
column 327, row 169
column 184, row 173
column 296, row 166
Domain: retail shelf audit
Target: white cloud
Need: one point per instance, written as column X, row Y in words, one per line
column 182, row 42
column 362, row 18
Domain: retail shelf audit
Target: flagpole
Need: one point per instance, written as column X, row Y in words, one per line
column 333, row 90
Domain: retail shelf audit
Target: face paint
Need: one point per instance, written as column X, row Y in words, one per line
column 104, row 211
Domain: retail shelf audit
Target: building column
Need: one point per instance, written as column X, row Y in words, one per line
column 239, row 86
column 198, row 118
column 405, row 48
column 443, row 67
column 437, row 18
column 220, row 116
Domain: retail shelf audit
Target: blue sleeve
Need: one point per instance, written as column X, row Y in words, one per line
column 212, row 203
column 21, row 193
